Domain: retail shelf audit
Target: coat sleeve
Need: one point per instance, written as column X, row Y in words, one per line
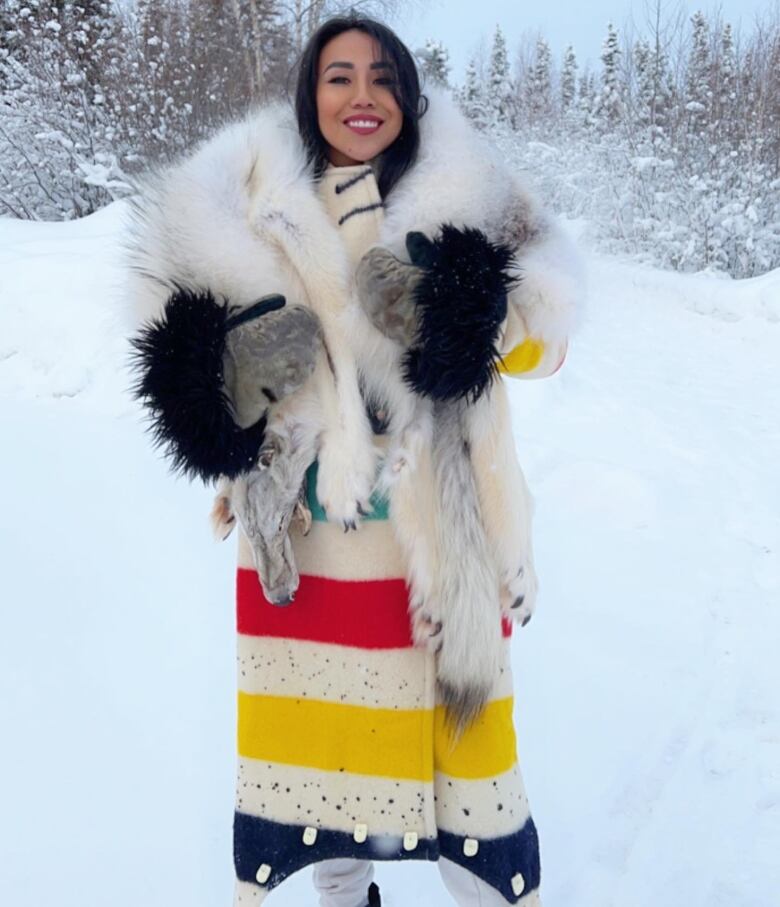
column 544, row 307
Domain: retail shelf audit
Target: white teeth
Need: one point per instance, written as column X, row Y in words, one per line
column 363, row 124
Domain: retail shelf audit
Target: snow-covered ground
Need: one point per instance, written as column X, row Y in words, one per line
column 647, row 684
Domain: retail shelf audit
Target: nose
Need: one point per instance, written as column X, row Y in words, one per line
column 281, row 601
column 362, row 96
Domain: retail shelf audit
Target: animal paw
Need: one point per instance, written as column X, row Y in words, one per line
column 302, row 517
column 518, row 594
column 344, row 483
column 427, row 629
column 223, row 520
column 397, row 459
column 400, row 456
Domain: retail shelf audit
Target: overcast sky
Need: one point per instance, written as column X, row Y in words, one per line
column 460, row 24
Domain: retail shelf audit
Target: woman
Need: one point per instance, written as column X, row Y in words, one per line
column 344, row 750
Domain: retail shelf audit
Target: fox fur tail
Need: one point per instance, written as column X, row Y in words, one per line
column 468, row 587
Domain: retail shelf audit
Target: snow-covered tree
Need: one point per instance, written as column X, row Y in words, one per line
column 698, row 94
column 725, row 93
column 435, row 60
column 57, row 156
column 11, row 34
column 610, row 102
column 568, row 79
column 472, row 97
column 587, row 99
column 500, row 90
column 91, row 91
column 539, row 86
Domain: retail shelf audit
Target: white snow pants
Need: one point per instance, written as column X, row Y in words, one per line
column 344, row 883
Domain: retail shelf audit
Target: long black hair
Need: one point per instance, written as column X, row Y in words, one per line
column 397, row 158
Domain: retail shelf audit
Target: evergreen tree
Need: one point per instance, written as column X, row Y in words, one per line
column 568, row 79
column 499, row 90
column 725, row 96
column 645, row 82
column 586, row 99
column 472, row 97
column 772, row 119
column 698, row 95
column 435, row 60
column 539, row 86
column 610, row 103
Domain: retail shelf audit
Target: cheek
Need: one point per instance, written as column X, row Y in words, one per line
column 397, row 126
column 398, row 117
column 326, row 109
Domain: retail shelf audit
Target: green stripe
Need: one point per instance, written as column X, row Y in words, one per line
column 379, row 503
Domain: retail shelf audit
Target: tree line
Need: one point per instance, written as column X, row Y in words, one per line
column 669, row 147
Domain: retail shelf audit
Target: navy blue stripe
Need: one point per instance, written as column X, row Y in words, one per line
column 498, row 860
column 362, row 210
column 257, row 841
column 351, row 182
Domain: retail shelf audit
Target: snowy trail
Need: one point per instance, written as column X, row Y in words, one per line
column 647, row 705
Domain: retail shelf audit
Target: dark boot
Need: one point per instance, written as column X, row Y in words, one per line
column 373, row 896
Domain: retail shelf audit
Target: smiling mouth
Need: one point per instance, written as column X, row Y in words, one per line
column 363, row 127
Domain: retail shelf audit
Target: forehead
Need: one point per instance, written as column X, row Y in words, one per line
column 351, row 46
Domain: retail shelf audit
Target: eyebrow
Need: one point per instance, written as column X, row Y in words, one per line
column 381, row 65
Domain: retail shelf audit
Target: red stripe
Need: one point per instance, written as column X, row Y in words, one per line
column 368, row 614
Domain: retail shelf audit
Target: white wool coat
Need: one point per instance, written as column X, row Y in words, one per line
column 242, row 217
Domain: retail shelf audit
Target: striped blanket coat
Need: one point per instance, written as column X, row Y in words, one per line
column 343, row 750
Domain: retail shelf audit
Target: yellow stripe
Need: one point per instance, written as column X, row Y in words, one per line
column 392, row 743
column 522, row 358
column 334, row 737
column 487, row 748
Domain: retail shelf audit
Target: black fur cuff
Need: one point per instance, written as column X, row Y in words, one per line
column 178, row 358
column 461, row 302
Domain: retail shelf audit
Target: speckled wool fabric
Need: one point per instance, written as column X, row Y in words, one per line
column 342, row 746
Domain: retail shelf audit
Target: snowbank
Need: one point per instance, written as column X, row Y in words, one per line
column 646, row 684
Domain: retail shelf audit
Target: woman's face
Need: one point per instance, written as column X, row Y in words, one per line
column 357, row 113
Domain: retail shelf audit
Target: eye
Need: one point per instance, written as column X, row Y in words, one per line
column 384, row 81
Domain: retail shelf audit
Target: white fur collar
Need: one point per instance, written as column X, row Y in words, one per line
column 199, row 218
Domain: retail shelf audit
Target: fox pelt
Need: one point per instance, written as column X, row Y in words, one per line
column 457, row 598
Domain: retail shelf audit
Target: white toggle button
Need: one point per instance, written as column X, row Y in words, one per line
column 263, row 873
column 410, row 840
column 518, row 883
column 470, row 847
column 309, row 835
column 361, row 832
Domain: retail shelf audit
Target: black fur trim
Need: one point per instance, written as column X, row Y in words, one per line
column 461, row 303
column 178, row 360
